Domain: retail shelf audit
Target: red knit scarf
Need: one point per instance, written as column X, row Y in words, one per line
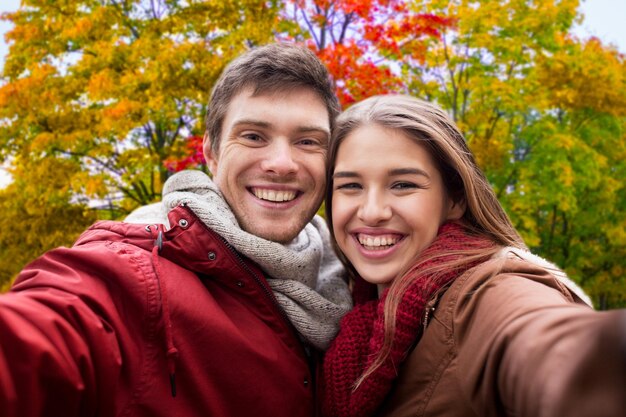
column 362, row 331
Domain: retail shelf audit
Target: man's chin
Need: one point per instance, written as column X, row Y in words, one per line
column 275, row 231
column 282, row 238
column 276, row 226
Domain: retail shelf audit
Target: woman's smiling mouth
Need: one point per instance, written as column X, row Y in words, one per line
column 377, row 242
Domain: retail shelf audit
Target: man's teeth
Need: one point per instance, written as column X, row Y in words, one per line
column 377, row 242
column 274, row 195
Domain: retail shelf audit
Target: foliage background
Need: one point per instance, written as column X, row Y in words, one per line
column 103, row 100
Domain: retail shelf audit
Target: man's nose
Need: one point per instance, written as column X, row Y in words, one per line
column 280, row 159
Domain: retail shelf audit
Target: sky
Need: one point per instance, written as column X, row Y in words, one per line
column 604, row 19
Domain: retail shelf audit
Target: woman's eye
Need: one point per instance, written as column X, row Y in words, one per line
column 348, row 186
column 403, row 185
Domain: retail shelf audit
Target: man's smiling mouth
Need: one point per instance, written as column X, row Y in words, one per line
column 275, row 196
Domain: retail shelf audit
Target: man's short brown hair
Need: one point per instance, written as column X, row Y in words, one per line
column 270, row 68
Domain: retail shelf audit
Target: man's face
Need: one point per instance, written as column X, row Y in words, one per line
column 270, row 166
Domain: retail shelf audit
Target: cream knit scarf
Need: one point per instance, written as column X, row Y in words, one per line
column 305, row 274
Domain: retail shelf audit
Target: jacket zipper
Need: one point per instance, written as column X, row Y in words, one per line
column 303, row 344
column 266, row 291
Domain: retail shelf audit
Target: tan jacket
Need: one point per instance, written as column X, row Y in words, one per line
column 517, row 343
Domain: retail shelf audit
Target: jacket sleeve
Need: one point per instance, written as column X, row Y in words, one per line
column 60, row 348
column 525, row 349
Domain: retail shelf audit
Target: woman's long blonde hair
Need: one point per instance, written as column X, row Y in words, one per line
column 465, row 183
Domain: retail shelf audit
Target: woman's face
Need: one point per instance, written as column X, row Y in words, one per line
column 388, row 201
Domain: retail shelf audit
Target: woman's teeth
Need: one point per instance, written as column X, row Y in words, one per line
column 377, row 242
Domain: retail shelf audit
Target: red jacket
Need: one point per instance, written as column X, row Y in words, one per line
column 113, row 325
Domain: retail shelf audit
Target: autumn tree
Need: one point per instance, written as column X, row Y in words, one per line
column 38, row 213
column 118, row 86
column 542, row 111
column 579, row 161
column 363, row 43
column 358, row 40
column 110, row 89
column 544, row 114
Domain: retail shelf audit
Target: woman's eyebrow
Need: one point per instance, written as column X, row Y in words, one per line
column 392, row 172
column 345, row 174
column 409, row 171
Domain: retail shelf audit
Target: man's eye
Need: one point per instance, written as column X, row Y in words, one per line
column 309, row 142
column 251, row 136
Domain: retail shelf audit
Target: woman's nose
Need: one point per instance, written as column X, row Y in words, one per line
column 374, row 209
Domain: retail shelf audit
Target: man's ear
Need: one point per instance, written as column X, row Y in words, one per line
column 456, row 209
column 211, row 159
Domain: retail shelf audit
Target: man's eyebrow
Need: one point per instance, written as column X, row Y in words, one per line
column 409, row 171
column 254, row 122
column 264, row 124
column 313, row 128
